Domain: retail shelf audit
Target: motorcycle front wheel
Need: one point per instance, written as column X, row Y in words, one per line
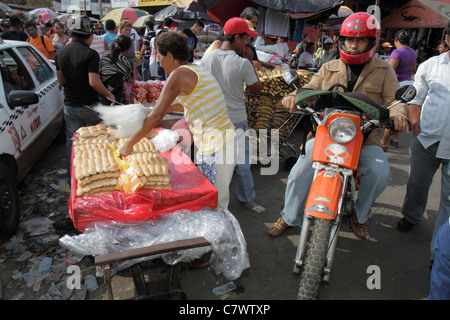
column 316, row 254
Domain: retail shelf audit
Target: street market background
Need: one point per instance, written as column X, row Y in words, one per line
column 424, row 18
column 404, row 275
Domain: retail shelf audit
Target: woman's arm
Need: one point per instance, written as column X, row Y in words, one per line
column 394, row 63
column 181, row 82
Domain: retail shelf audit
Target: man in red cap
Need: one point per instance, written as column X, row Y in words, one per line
column 232, row 67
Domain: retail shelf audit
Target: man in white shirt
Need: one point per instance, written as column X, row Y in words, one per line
column 306, row 58
column 327, row 54
column 429, row 113
column 269, row 44
column 232, row 71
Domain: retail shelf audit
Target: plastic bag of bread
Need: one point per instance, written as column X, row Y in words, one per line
column 129, row 182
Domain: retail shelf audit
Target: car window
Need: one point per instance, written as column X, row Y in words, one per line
column 14, row 75
column 40, row 67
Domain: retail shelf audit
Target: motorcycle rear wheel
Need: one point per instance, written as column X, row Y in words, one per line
column 316, row 254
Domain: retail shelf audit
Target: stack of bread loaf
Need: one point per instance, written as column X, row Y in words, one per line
column 147, row 163
column 96, row 167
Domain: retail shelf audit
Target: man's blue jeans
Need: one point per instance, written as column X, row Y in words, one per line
column 146, row 69
column 245, row 192
column 423, row 164
column 75, row 118
column 373, row 166
column 440, row 272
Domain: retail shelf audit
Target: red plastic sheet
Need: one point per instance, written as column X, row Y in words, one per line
column 190, row 190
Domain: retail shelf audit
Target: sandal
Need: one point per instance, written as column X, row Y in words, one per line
column 359, row 229
column 278, row 228
column 385, row 147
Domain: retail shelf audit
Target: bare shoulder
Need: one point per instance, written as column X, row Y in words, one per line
column 184, row 78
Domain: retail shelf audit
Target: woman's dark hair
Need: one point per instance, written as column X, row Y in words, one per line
column 175, row 43
column 118, row 44
column 402, row 36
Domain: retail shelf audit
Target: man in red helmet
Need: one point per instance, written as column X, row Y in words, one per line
column 359, row 71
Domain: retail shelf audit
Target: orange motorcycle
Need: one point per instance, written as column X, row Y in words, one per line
column 340, row 120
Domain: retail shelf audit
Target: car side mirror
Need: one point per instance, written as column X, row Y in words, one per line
column 22, row 98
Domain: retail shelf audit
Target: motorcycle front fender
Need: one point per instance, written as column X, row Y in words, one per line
column 323, row 199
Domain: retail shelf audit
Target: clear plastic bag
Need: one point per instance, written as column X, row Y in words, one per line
column 165, row 140
column 229, row 248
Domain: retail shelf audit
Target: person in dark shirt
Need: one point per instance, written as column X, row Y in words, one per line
column 77, row 69
column 146, row 50
column 14, row 33
column 192, row 34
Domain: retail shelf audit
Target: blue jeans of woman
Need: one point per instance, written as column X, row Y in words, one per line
column 423, row 164
column 145, row 69
column 75, row 118
column 373, row 166
column 245, row 192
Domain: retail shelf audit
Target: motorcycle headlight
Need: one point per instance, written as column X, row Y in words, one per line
column 342, row 130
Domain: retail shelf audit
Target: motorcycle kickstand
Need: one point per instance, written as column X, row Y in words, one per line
column 298, row 261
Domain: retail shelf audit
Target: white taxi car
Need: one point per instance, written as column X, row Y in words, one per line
column 31, row 116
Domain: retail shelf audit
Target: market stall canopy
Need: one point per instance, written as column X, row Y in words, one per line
column 140, row 22
column 218, row 10
column 338, row 18
column 440, row 6
column 3, row 10
column 413, row 15
column 293, row 6
column 181, row 14
column 131, row 14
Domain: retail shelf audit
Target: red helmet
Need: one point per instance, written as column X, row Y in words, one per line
column 359, row 25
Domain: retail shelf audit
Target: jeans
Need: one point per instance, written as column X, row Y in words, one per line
column 224, row 162
column 423, row 164
column 245, row 192
column 75, row 118
column 145, row 69
column 440, row 272
column 373, row 166
column 161, row 73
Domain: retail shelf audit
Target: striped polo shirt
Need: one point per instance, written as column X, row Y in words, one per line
column 206, row 112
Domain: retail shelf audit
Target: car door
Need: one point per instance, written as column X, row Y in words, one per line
column 47, row 87
column 20, row 121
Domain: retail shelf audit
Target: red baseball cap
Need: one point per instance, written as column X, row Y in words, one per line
column 238, row 25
